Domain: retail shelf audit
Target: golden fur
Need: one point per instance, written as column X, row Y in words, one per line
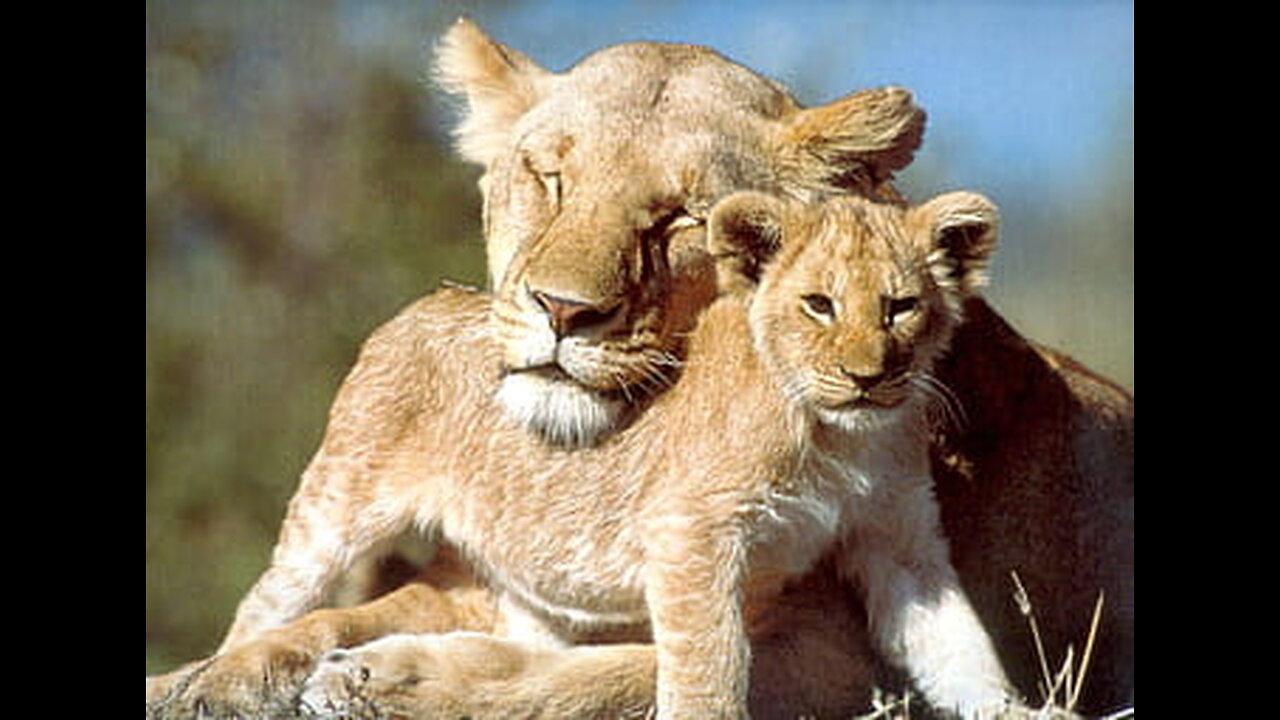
column 798, row 428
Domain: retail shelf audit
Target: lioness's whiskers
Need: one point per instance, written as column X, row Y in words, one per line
column 653, row 369
column 643, row 374
column 624, row 386
column 666, row 359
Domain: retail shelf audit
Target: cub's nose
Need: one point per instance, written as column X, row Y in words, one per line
column 864, row 381
column 569, row 316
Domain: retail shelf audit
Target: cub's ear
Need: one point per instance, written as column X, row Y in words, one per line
column 960, row 230
column 854, row 144
column 498, row 84
column 744, row 231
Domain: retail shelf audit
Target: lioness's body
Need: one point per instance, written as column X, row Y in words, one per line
column 1039, row 481
column 609, row 186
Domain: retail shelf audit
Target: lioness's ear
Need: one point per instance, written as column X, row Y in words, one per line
column 960, row 229
column 854, row 144
column 498, row 83
column 744, row 231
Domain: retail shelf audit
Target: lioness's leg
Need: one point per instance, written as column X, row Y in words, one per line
column 266, row 673
column 474, row 675
column 327, row 529
column 809, row 658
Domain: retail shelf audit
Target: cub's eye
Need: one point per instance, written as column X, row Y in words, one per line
column 820, row 307
column 898, row 309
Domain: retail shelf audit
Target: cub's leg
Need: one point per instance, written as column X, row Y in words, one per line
column 919, row 616
column 694, row 576
column 265, row 674
column 474, row 675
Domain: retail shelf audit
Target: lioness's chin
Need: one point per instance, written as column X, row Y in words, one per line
column 563, row 413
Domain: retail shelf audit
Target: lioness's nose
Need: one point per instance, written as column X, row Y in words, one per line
column 567, row 316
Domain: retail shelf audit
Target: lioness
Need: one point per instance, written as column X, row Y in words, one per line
column 611, row 172
column 586, row 175
column 799, row 426
column 1040, row 481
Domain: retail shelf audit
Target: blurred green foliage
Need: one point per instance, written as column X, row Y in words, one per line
column 298, row 193
column 300, row 190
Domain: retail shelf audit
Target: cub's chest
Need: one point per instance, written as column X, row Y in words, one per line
column 802, row 517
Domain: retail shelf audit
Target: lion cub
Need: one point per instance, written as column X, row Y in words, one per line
column 799, row 428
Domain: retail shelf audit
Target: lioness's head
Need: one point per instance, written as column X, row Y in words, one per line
column 852, row 300
column 597, row 185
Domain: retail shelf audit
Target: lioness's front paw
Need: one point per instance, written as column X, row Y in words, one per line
column 390, row 677
column 163, row 690
column 338, row 686
column 463, row 674
column 259, row 680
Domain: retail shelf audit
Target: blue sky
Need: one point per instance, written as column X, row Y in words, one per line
column 1017, row 92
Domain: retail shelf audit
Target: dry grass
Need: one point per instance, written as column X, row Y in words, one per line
column 1060, row 691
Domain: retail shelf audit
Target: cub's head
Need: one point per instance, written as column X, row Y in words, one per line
column 597, row 184
column 852, row 300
